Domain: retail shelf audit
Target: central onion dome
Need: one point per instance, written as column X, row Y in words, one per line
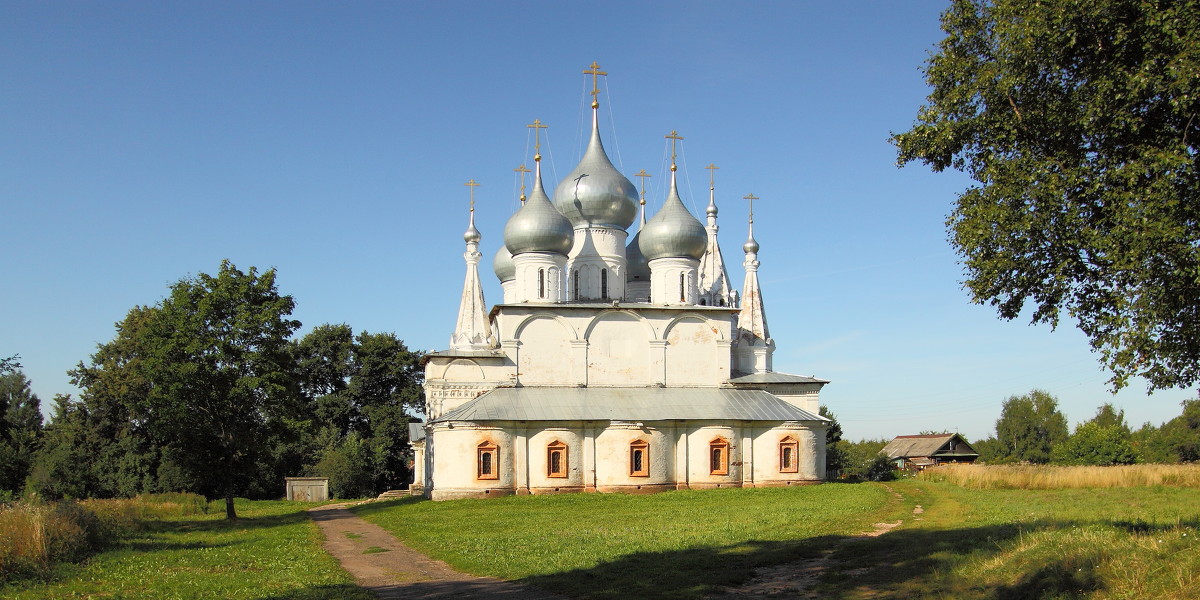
column 538, row 226
column 595, row 193
column 503, row 265
column 673, row 232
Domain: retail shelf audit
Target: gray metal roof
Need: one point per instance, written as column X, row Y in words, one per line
column 416, row 432
column 772, row 377
column 626, row 404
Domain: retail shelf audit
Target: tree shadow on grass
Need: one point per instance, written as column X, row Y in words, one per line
column 899, row 564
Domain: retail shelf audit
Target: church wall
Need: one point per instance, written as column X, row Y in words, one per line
column 452, row 382
column 692, row 353
column 618, row 350
column 810, row 460
column 539, row 440
column 613, row 458
column 699, row 442
column 545, row 353
column 455, row 463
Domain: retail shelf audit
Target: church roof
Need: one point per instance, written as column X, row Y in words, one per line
column 626, row 404
column 772, row 377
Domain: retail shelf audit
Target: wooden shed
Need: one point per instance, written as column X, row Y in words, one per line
column 921, row 451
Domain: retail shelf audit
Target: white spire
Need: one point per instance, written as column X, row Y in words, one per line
column 754, row 344
column 473, row 330
column 714, row 279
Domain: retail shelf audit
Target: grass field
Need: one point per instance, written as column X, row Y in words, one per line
column 274, row 552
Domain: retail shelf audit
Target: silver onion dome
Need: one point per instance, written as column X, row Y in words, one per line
column 538, row 226
column 751, row 245
column 637, row 268
column 595, row 193
column 472, row 236
column 673, row 232
column 503, row 265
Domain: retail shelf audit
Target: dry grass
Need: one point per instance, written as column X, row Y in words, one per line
column 35, row 535
column 1044, row 477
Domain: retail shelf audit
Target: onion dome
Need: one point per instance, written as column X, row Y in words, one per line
column 673, row 232
column 751, row 245
column 595, row 193
column 636, row 265
column 503, row 265
column 538, row 226
column 472, row 236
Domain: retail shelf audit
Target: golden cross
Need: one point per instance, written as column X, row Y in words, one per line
column 522, row 170
column 643, row 174
column 751, row 198
column 595, row 72
column 537, row 138
column 472, row 185
column 712, row 170
column 674, row 137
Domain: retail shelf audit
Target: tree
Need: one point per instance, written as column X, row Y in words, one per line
column 1080, row 121
column 1029, row 427
column 20, row 429
column 216, row 356
column 1095, row 444
column 835, row 457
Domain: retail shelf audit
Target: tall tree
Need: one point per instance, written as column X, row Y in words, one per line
column 20, row 429
column 1029, row 427
column 216, row 355
column 1080, row 121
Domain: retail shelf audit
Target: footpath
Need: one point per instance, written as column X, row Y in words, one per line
column 392, row 571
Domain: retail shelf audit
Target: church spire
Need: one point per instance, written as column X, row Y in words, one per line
column 754, row 344
column 714, row 279
column 473, row 330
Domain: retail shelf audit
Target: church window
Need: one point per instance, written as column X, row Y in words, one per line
column 703, row 302
column 575, row 284
column 488, row 463
column 604, row 284
column 556, row 459
column 639, row 459
column 682, row 287
column 718, row 457
column 789, row 450
column 541, row 283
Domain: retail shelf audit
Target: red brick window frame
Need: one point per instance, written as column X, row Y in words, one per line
column 718, row 456
column 487, row 463
column 556, row 459
column 789, row 455
column 639, row 458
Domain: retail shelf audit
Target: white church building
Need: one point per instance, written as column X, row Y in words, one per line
column 615, row 362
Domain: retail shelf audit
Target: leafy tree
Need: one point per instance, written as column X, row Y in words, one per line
column 1108, row 416
column 1080, row 121
column 1181, row 435
column 864, row 461
column 62, row 468
column 20, row 429
column 216, row 356
column 989, row 449
column 1029, row 427
column 835, row 457
column 1095, row 444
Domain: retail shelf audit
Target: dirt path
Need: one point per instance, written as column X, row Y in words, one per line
column 796, row 579
column 381, row 563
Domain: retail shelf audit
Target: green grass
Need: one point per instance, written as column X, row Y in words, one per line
column 273, row 552
column 675, row 544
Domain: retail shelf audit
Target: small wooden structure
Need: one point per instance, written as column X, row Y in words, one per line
column 921, row 451
column 308, row 489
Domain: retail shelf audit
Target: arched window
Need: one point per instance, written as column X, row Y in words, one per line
column 556, row 459
column 575, row 284
column 682, row 287
column 704, row 302
column 604, row 284
column 789, row 455
column 488, row 463
column 541, row 283
column 718, row 457
column 639, row 459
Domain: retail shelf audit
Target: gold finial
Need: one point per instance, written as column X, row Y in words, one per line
column 643, row 174
column 537, row 139
column 712, row 170
column 751, row 198
column 472, row 184
column 522, row 170
column 595, row 72
column 674, row 137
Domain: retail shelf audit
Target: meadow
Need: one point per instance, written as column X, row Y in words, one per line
column 995, row 534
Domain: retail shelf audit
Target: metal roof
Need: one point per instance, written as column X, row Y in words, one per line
column 772, row 377
column 416, row 432
column 626, row 404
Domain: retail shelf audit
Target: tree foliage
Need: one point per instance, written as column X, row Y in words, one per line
column 20, row 429
column 1080, row 121
column 1029, row 427
column 1095, row 444
column 835, row 456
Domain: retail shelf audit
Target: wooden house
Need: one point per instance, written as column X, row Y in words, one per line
column 921, row 451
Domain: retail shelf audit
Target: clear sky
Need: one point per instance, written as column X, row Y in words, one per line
column 143, row 142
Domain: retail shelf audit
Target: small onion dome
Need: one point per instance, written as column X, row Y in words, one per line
column 673, row 232
column 472, row 235
column 538, row 226
column 595, row 193
column 751, row 246
column 503, row 265
column 637, row 269
column 712, row 208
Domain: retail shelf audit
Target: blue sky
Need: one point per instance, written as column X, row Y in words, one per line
column 142, row 142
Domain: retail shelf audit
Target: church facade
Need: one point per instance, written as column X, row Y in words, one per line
column 614, row 363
